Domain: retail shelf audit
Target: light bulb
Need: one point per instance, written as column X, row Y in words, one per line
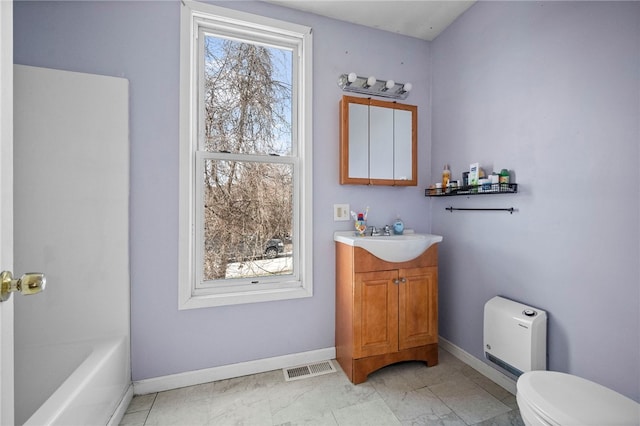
column 371, row 81
column 407, row 87
column 389, row 84
column 352, row 77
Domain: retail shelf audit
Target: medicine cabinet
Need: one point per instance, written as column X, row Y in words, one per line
column 378, row 142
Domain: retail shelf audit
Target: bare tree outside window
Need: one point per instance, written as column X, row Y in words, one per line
column 248, row 203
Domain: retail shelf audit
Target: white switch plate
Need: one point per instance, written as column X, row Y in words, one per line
column 340, row 212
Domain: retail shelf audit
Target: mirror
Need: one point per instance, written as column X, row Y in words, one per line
column 378, row 142
column 358, row 145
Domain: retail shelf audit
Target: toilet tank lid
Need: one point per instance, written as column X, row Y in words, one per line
column 568, row 399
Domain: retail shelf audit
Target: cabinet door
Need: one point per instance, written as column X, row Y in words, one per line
column 403, row 146
column 381, row 143
column 358, row 141
column 375, row 313
column 418, row 307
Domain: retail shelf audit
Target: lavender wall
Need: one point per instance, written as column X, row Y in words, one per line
column 550, row 90
column 139, row 41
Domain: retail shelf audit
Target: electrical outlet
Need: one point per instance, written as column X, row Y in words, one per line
column 340, row 212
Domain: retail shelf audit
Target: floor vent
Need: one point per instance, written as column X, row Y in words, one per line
column 309, row 370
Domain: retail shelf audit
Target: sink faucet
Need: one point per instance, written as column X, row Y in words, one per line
column 374, row 231
column 387, row 231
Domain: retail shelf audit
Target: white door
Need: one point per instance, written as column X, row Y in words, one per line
column 6, row 207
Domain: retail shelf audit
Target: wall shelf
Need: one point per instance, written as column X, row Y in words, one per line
column 494, row 188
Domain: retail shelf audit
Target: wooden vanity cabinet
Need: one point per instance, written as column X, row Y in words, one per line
column 386, row 312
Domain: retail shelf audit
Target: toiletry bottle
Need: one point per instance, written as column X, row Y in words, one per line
column 504, row 176
column 398, row 226
column 446, row 175
column 504, row 180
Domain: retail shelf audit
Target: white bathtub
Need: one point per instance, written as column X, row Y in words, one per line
column 87, row 393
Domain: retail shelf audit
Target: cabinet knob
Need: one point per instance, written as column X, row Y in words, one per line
column 403, row 280
column 396, row 281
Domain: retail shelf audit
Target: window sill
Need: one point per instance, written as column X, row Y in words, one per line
column 195, row 301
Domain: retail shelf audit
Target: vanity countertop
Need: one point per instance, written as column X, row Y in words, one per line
column 391, row 248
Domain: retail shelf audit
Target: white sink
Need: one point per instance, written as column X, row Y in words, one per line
column 392, row 248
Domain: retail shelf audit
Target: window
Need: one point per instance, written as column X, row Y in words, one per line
column 245, row 158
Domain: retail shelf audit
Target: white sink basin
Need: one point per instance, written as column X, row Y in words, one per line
column 392, row 248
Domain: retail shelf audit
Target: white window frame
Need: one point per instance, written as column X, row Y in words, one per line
column 192, row 294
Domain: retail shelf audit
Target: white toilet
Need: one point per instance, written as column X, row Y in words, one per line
column 553, row 398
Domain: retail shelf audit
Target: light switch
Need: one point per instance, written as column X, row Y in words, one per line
column 340, row 212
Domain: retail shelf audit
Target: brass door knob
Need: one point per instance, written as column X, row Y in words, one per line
column 30, row 283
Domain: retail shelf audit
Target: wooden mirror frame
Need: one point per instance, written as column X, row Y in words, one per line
column 344, row 142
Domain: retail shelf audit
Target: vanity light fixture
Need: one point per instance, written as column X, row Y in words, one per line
column 370, row 82
column 371, row 86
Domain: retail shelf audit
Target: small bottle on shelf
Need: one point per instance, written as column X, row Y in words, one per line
column 446, row 175
column 504, row 180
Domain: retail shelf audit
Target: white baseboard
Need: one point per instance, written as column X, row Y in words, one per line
column 190, row 378
column 486, row 370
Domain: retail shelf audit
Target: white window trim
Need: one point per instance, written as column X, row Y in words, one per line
column 189, row 296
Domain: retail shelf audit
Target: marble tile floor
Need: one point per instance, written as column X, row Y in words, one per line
column 450, row 393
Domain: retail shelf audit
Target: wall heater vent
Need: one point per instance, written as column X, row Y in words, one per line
column 309, row 370
column 515, row 336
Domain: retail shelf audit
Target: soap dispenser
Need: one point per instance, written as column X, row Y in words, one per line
column 398, row 226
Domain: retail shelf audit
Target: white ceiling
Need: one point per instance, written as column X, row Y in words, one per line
column 423, row 19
